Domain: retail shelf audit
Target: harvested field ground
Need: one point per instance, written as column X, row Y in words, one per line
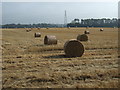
column 28, row 63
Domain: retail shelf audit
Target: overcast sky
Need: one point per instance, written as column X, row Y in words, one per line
column 53, row 12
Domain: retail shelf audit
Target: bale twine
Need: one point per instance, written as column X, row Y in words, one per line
column 50, row 39
column 101, row 29
column 86, row 32
column 82, row 37
column 73, row 48
column 37, row 34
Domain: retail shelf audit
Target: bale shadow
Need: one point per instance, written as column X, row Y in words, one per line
column 58, row 56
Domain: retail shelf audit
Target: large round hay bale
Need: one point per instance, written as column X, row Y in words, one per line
column 37, row 34
column 86, row 32
column 82, row 37
column 101, row 29
column 50, row 39
column 73, row 48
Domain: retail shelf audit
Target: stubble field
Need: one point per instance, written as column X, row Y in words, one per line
column 28, row 63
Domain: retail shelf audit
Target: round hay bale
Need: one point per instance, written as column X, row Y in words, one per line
column 37, row 34
column 73, row 48
column 28, row 30
column 82, row 37
column 86, row 32
column 50, row 39
column 101, row 29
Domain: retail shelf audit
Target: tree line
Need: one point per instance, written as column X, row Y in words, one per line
column 42, row 25
column 75, row 23
column 94, row 23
